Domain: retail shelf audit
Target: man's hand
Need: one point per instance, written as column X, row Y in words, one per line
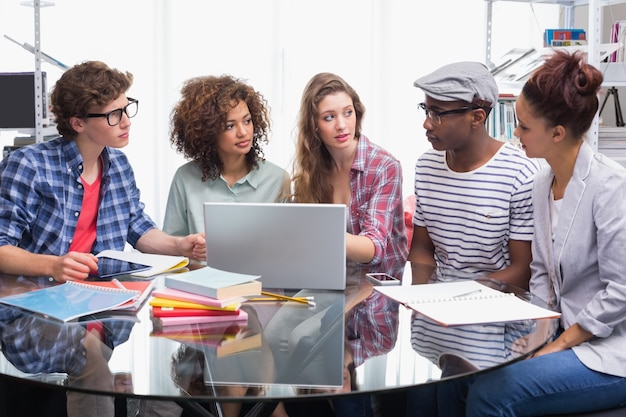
column 73, row 266
column 193, row 246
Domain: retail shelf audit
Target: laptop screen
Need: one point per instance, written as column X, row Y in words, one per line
column 292, row 246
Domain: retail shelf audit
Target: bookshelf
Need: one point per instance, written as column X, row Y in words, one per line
column 600, row 138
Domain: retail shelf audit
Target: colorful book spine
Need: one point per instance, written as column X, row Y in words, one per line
column 173, row 294
column 170, row 303
column 161, row 322
column 563, row 34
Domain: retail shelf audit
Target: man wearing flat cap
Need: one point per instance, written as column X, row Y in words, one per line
column 473, row 207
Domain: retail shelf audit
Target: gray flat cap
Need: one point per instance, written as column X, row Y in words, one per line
column 468, row 81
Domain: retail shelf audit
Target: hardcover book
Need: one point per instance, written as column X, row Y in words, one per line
column 169, row 303
column 172, row 294
column 162, row 322
column 215, row 283
column 178, row 312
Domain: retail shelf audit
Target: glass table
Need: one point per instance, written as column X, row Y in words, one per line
column 299, row 352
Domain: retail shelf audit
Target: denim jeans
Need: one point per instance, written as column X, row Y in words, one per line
column 353, row 406
column 549, row 384
column 445, row 399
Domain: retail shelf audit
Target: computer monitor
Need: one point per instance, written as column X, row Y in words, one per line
column 17, row 100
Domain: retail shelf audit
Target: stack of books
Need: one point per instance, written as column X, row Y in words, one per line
column 219, row 339
column 205, row 295
column 202, row 309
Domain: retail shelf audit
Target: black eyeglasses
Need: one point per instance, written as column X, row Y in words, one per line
column 435, row 116
column 114, row 117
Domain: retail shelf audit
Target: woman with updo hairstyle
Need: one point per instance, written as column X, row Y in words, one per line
column 220, row 124
column 579, row 256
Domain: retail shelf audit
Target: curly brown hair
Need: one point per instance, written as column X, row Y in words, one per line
column 201, row 114
column 83, row 86
column 313, row 162
column 563, row 91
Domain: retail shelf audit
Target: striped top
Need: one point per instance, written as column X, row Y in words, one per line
column 471, row 216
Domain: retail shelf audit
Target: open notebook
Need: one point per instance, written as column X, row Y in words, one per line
column 465, row 302
column 71, row 300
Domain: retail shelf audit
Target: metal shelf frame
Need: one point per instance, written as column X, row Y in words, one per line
column 594, row 36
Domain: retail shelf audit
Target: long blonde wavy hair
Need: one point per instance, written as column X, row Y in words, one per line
column 313, row 163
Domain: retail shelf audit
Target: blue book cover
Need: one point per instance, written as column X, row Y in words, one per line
column 70, row 300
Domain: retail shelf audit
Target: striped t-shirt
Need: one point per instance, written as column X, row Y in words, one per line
column 470, row 218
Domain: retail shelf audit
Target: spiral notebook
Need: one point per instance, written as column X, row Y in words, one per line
column 70, row 300
column 465, row 302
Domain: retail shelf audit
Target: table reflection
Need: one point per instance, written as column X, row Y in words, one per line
column 353, row 340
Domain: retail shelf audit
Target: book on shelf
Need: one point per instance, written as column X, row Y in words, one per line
column 567, row 42
column 215, row 283
column 71, row 300
column 170, row 303
column 618, row 36
column 143, row 289
column 502, row 119
column 173, row 294
column 465, row 302
column 550, row 35
column 162, row 322
column 159, row 264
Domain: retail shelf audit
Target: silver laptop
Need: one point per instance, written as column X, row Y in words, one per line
column 292, row 246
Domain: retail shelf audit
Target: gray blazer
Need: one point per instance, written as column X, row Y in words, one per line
column 585, row 270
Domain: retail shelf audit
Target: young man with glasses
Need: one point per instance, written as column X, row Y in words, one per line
column 64, row 200
column 473, row 211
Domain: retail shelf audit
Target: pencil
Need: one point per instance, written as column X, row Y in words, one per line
column 287, row 298
column 118, row 284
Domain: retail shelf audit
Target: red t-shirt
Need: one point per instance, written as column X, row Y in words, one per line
column 85, row 233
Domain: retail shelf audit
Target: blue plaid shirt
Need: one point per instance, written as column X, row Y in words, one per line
column 41, row 196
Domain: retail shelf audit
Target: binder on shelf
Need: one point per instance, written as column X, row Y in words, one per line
column 550, row 35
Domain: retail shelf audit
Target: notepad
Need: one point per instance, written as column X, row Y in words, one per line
column 70, row 300
column 465, row 302
column 143, row 289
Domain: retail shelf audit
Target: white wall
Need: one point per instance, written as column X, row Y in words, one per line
column 379, row 46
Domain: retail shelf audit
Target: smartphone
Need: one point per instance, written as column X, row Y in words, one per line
column 382, row 279
column 111, row 267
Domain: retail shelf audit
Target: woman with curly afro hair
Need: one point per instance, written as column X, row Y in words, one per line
column 220, row 124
